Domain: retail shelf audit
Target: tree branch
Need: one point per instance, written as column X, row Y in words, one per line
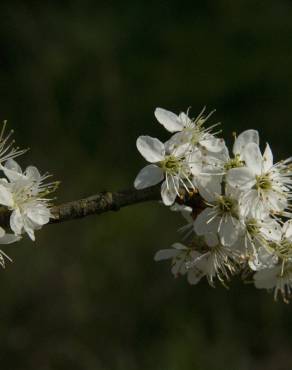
column 103, row 202
column 109, row 201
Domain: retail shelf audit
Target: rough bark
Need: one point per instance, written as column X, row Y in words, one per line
column 103, row 202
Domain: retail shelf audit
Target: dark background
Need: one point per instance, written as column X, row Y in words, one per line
column 79, row 82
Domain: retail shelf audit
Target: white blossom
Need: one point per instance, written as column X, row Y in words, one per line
column 277, row 279
column 243, row 222
column 221, row 162
column 180, row 256
column 24, row 206
column 221, row 214
column 24, row 193
column 278, row 276
column 215, row 262
column 189, row 131
column 172, row 166
column 264, row 185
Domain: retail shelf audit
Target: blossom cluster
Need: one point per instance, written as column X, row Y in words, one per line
column 244, row 223
column 24, row 202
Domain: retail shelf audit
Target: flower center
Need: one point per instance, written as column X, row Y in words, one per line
column 22, row 194
column 171, row 164
column 225, row 204
column 234, row 163
column 263, row 182
column 252, row 227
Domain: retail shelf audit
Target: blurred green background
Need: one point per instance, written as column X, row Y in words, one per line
column 79, row 82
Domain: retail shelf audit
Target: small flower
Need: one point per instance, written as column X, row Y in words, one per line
column 277, row 274
column 189, row 131
column 282, row 249
column 255, row 239
column 217, row 262
column 221, row 214
column 213, row 262
column 172, row 166
column 25, row 195
column 264, row 185
column 222, row 162
column 181, row 256
column 262, row 258
column 277, row 279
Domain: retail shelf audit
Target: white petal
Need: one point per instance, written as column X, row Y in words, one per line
column 179, row 247
column 148, row 176
column 9, row 239
column 180, row 150
column 185, row 119
column 267, row 278
column 33, row 173
column 262, row 260
column 12, row 165
column 213, row 144
column 228, row 231
column 29, row 230
column 195, row 162
column 151, row 148
column 268, row 158
column 16, row 222
column 169, row 120
column 165, row 254
column 13, row 176
column 179, row 266
column 6, row 197
column 12, row 170
column 211, row 239
column 181, row 208
column 258, row 207
column 253, row 158
column 246, row 137
column 202, row 224
column 231, row 192
column 217, row 157
column 271, row 230
column 241, row 245
column 39, row 214
column 168, row 194
column 181, row 138
column 209, row 187
column 251, row 203
column 241, row 178
column 276, row 202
